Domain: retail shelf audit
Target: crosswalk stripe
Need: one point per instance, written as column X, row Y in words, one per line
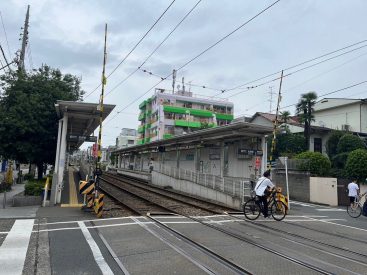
column 97, row 254
column 14, row 248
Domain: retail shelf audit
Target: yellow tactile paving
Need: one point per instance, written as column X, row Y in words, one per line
column 73, row 198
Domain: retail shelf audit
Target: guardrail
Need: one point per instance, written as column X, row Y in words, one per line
column 235, row 187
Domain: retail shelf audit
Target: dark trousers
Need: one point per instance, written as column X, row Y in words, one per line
column 264, row 204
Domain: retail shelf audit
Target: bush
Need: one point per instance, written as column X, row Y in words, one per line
column 34, row 188
column 338, row 173
column 332, row 143
column 28, row 177
column 349, row 143
column 340, row 160
column 318, row 165
column 356, row 166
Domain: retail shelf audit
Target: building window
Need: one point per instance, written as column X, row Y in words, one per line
column 317, row 145
column 130, row 141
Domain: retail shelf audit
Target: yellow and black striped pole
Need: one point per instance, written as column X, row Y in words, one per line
column 98, row 170
column 273, row 142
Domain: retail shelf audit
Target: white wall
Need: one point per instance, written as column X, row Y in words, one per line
column 262, row 121
column 324, row 190
column 334, row 118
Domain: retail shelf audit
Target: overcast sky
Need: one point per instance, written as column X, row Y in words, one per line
column 69, row 35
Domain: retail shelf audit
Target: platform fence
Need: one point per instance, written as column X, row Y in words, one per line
column 235, row 187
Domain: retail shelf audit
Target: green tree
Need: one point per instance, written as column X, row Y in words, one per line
column 348, row 143
column 356, row 166
column 305, row 112
column 287, row 144
column 318, row 163
column 284, row 117
column 29, row 124
column 332, row 143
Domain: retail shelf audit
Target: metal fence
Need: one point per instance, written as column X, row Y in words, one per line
column 294, row 164
column 235, row 187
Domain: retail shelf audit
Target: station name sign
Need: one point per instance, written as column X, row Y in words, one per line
column 82, row 138
column 249, row 152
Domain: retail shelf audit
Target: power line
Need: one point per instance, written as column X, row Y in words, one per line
column 297, row 65
column 197, row 56
column 333, row 92
column 6, row 37
column 137, row 44
column 297, row 71
column 6, row 61
column 156, row 48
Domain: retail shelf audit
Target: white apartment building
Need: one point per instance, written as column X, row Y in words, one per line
column 168, row 114
column 342, row 114
column 128, row 137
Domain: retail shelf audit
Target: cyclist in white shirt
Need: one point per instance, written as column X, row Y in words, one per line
column 262, row 184
column 353, row 191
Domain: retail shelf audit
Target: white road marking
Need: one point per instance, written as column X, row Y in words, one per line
column 342, row 225
column 14, row 248
column 330, row 209
column 97, row 254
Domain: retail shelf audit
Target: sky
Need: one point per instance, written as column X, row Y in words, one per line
column 69, row 35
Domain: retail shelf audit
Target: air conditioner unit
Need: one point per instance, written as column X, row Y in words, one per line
column 346, row 127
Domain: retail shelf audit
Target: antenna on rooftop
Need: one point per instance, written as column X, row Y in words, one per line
column 173, row 80
column 271, row 98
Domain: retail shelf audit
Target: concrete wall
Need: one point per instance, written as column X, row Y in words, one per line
column 135, row 174
column 324, row 190
column 298, row 181
column 195, row 190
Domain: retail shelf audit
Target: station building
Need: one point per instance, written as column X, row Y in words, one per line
column 167, row 114
column 215, row 163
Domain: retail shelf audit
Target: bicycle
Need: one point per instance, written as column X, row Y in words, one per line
column 253, row 207
column 356, row 210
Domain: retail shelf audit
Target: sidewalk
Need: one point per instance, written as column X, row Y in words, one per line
column 11, row 212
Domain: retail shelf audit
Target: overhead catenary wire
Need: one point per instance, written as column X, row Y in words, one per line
column 297, row 65
column 135, row 46
column 294, row 72
column 197, row 56
column 222, row 90
column 6, row 36
column 333, row 92
column 155, row 49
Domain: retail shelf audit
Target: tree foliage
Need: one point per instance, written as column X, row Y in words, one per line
column 349, row 142
column 304, row 110
column 287, row 145
column 332, row 143
column 28, row 128
column 356, row 166
column 318, row 164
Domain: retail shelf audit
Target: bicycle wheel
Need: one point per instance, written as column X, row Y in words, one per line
column 251, row 209
column 278, row 210
column 354, row 211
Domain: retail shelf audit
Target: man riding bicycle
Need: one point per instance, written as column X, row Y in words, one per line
column 262, row 190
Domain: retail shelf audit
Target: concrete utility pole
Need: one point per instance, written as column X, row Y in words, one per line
column 24, row 42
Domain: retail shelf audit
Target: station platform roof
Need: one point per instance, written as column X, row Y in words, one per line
column 232, row 131
column 83, row 119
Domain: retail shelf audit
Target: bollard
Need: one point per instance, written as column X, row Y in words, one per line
column 98, row 205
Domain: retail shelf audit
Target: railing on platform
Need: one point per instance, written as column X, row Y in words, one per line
column 235, row 187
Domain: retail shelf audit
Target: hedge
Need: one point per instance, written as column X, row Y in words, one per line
column 318, row 165
column 34, row 188
column 356, row 166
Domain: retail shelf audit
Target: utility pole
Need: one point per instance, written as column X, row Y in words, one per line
column 271, row 98
column 24, row 42
column 273, row 142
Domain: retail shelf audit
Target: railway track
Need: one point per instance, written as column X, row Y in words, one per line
column 136, row 190
column 178, row 203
